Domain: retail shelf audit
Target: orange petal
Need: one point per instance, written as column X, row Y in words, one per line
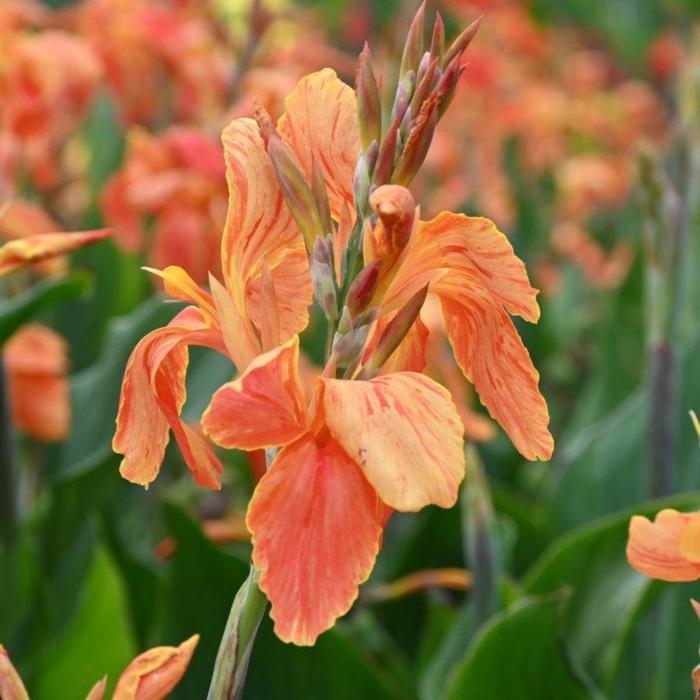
column 156, row 672
column 42, row 246
column 320, row 121
column 260, row 227
column 316, row 527
column 690, row 539
column 654, row 549
column 179, row 285
column 11, row 686
column 264, row 407
column 404, row 432
column 153, row 392
column 410, row 356
column 98, row 690
column 36, row 359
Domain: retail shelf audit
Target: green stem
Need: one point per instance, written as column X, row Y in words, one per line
column 8, row 467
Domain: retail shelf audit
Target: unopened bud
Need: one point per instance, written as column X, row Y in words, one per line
column 395, row 332
column 347, row 349
column 417, row 143
column 361, row 185
column 322, row 277
column 462, row 41
column 425, row 86
column 404, row 92
column 296, row 191
column 345, row 325
column 370, row 156
column 320, row 194
column 387, row 155
column 369, row 105
column 363, row 288
column 447, row 86
column 413, row 48
column 396, row 209
column 437, row 43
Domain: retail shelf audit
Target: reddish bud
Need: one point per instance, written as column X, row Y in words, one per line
column 459, row 45
column 413, row 48
column 418, row 143
column 437, row 43
column 424, row 86
column 369, row 105
column 363, row 288
column 386, row 157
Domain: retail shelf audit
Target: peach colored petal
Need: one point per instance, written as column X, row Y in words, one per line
column 690, row 539
column 153, row 393
column 11, row 686
column 98, row 690
column 654, row 548
column 36, row 360
column 316, row 526
column 404, row 432
column 260, row 227
column 42, row 246
column 264, row 407
column 320, row 122
column 179, row 285
column 410, row 356
column 156, row 672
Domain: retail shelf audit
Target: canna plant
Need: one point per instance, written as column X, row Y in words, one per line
column 319, row 209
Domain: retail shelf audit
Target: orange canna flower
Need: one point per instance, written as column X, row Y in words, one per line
column 667, row 548
column 384, row 437
column 42, row 246
column 36, row 361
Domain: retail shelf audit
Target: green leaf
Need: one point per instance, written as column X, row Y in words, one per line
column 520, row 655
column 44, row 294
column 96, row 642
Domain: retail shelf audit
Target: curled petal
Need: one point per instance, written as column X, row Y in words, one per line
column 11, row 686
column 259, row 226
column 179, row 285
column 316, row 526
column 404, row 432
column 153, row 393
column 320, row 122
column 654, row 548
column 156, row 672
column 42, row 246
column 264, row 407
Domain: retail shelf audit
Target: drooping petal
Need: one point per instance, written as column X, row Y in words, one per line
column 42, row 246
column 152, row 395
column 36, row 361
column 97, row 691
column 471, row 266
column 260, row 227
column 654, row 548
column 155, row 673
column 11, row 686
column 320, row 122
column 316, row 526
column 264, row 407
column 179, row 285
column 404, row 432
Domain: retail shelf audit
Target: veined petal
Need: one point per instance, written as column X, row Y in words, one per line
column 155, row 673
column 404, row 432
column 320, row 121
column 264, row 407
column 152, row 395
column 33, row 249
column 316, row 526
column 654, row 548
column 179, row 285
column 11, row 686
column 259, row 226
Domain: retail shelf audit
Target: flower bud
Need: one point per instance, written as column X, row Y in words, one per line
column 361, row 185
column 369, row 105
column 437, row 43
column 345, row 324
column 395, row 332
column 322, row 277
column 363, row 288
column 347, row 349
column 386, row 155
column 447, row 85
column 320, row 194
column 396, row 210
column 459, row 45
column 413, row 48
column 404, row 92
column 417, row 143
column 425, row 86
column 296, row 191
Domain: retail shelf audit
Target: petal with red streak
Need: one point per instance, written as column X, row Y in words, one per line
column 316, row 526
column 320, row 121
column 264, row 407
column 654, row 548
column 404, row 432
column 152, row 395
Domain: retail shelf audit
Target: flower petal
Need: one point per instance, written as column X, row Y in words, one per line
column 260, row 227
column 404, row 432
column 264, row 407
column 320, row 122
column 152, row 395
column 179, row 285
column 11, row 686
column 155, row 673
column 316, row 526
column 654, row 549
column 33, row 249
column 97, row 691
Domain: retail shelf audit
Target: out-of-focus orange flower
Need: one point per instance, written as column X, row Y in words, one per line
column 665, row 55
column 43, row 246
column 47, row 80
column 667, row 548
column 151, row 676
column 177, row 179
column 36, row 361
